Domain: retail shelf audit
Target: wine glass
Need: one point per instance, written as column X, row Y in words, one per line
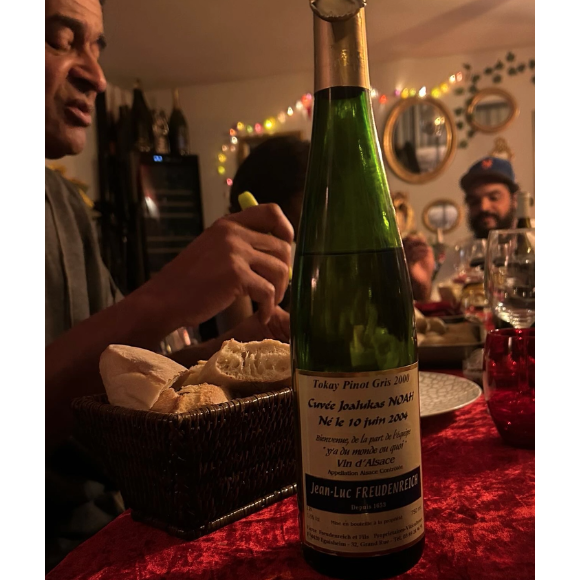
column 470, row 260
column 470, row 273
column 510, row 276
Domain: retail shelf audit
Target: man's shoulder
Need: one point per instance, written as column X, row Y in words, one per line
column 56, row 183
column 60, row 190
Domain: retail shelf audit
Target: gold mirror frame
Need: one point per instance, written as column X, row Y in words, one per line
column 450, row 146
column 438, row 202
column 479, row 96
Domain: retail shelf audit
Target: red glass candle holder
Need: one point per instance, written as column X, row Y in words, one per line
column 509, row 384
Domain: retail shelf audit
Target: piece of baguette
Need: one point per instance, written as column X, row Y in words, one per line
column 192, row 375
column 249, row 367
column 196, row 396
column 432, row 338
column 135, row 377
column 437, row 325
column 420, row 322
column 167, row 401
column 190, row 398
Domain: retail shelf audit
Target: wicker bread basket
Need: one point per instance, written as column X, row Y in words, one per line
column 193, row 473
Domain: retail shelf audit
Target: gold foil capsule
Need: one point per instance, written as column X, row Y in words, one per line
column 336, row 10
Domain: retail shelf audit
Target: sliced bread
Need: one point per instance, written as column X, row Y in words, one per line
column 250, row 367
column 190, row 398
column 192, row 375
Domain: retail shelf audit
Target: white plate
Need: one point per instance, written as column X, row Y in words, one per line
column 441, row 393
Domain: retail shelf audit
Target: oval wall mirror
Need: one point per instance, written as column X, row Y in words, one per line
column 419, row 139
column 492, row 110
column 442, row 215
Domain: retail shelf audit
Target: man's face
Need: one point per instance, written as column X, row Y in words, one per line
column 73, row 77
column 490, row 206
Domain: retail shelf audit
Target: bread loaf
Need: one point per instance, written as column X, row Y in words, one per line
column 135, row 377
column 462, row 333
column 432, row 338
column 167, row 401
column 190, row 398
column 437, row 325
column 140, row 379
column 421, row 324
column 248, row 368
column 192, row 375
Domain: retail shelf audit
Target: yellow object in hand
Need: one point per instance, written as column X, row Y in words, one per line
column 247, row 200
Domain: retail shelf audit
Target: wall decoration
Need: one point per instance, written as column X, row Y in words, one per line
column 494, row 73
column 419, row 139
column 491, row 110
column 227, row 163
column 502, row 149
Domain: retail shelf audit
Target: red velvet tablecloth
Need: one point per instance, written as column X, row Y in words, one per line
column 479, row 512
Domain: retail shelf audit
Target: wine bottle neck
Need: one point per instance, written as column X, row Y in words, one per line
column 110, row 95
column 523, row 206
column 340, row 183
column 175, row 99
column 138, row 97
column 340, row 53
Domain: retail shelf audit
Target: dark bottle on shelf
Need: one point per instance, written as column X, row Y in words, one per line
column 141, row 121
column 111, row 122
column 178, row 130
column 124, row 130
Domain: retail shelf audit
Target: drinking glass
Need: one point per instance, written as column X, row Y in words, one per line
column 509, row 383
column 470, row 272
column 470, row 259
column 510, row 276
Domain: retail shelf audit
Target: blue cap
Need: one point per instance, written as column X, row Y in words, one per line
column 490, row 170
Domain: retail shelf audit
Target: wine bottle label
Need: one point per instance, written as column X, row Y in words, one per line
column 361, row 460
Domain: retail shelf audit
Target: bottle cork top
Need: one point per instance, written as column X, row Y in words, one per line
column 336, row 10
column 525, row 197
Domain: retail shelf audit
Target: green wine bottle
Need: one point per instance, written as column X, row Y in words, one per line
column 353, row 343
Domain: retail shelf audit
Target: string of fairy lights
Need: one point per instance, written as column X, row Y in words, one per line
column 303, row 107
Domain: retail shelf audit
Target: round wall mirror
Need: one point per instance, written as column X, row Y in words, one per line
column 442, row 215
column 492, row 110
column 419, row 139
